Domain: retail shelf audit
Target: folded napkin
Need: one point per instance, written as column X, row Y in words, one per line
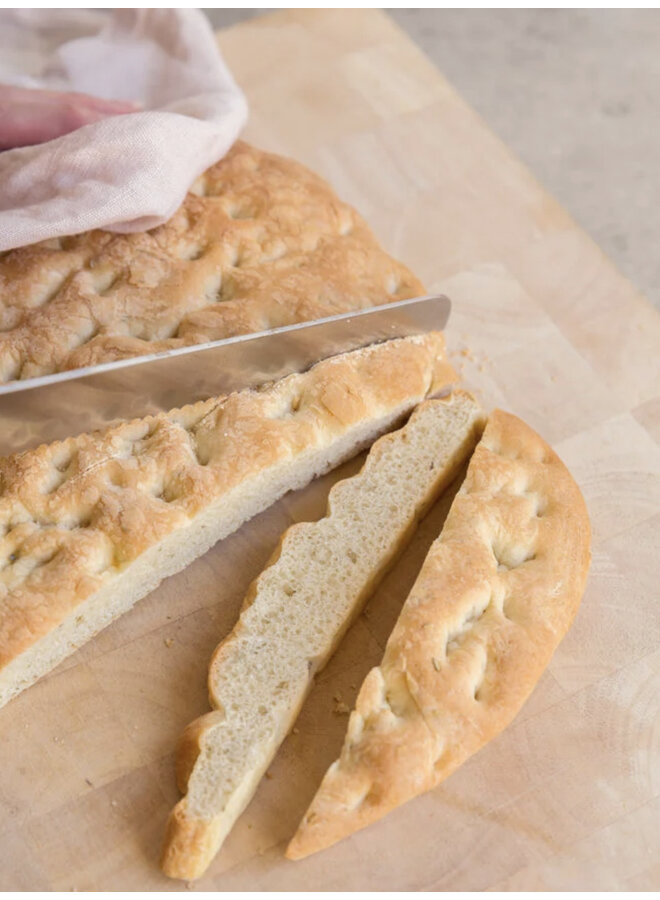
column 127, row 172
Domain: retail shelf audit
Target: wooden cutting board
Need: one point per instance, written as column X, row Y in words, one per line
column 569, row 796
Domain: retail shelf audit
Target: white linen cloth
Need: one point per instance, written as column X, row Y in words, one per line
column 126, row 172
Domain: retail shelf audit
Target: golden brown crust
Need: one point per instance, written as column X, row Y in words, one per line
column 189, row 844
column 496, row 594
column 76, row 513
column 259, row 242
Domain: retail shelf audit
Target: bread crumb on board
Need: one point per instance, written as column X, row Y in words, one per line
column 466, row 354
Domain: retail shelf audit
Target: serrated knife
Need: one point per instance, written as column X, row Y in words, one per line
column 52, row 407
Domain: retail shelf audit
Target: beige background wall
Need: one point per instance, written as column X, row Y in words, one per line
column 576, row 95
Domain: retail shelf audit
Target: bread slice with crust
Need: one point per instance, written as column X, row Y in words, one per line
column 91, row 524
column 296, row 613
column 496, row 594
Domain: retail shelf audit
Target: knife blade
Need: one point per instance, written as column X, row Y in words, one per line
column 52, row 407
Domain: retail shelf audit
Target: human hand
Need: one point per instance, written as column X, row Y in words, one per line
column 30, row 116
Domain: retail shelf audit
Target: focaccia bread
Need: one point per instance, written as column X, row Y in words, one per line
column 295, row 615
column 91, row 524
column 259, row 242
column 496, row 594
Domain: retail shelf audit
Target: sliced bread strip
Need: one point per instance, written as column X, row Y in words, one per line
column 296, row 613
column 91, row 524
column 496, row 594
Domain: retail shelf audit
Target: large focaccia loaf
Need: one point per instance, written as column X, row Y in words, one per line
column 91, row 524
column 496, row 594
column 296, row 613
column 259, row 242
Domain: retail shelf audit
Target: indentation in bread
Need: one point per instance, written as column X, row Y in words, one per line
column 259, row 242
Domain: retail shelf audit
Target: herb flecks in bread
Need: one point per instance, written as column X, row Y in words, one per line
column 90, row 525
column 496, row 594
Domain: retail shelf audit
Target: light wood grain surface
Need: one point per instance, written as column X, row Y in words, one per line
column 569, row 795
